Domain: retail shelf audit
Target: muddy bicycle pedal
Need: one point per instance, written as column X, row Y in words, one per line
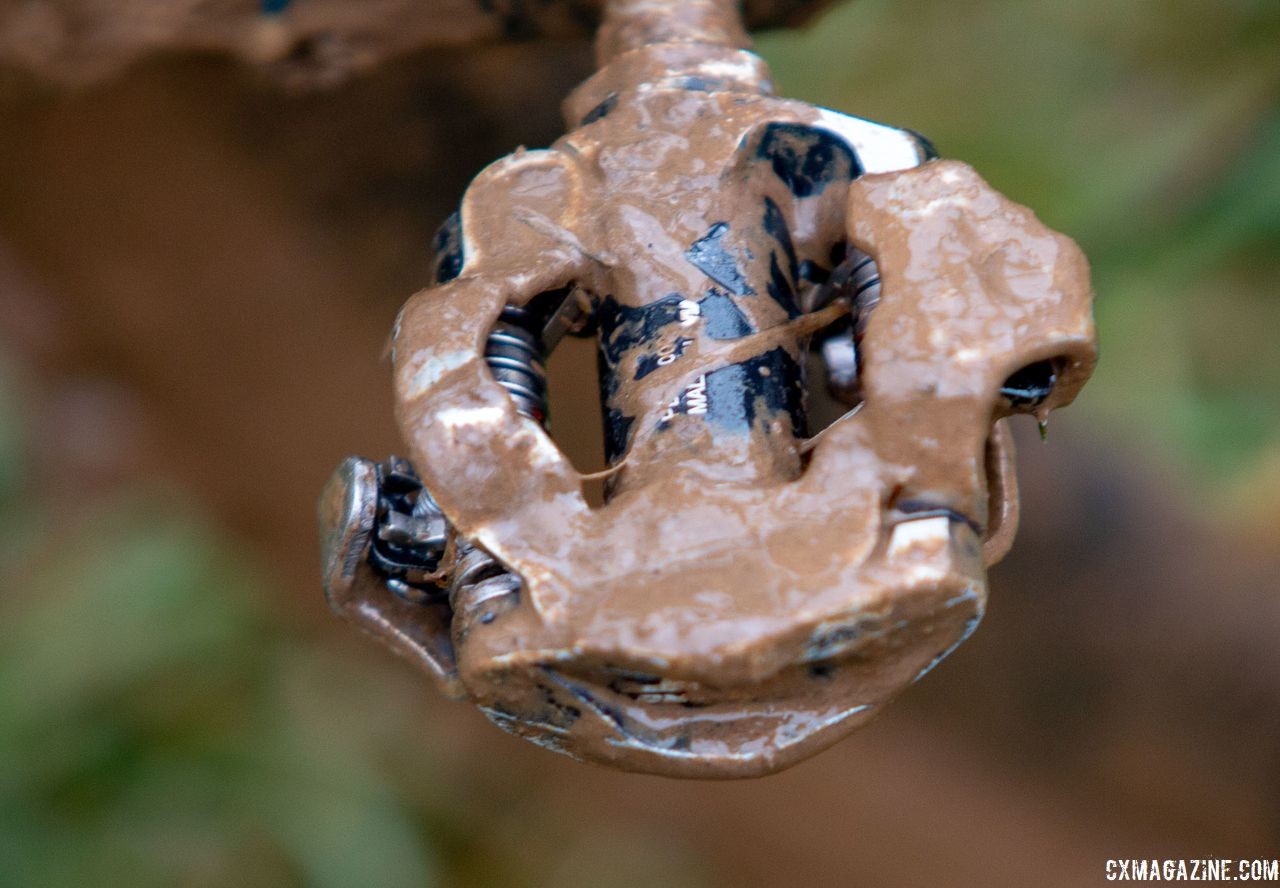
column 749, row 591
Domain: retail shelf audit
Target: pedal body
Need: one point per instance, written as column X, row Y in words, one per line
column 747, row 594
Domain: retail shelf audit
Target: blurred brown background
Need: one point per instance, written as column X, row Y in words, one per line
column 200, row 260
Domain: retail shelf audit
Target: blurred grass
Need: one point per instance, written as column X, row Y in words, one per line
column 160, row 725
column 157, row 729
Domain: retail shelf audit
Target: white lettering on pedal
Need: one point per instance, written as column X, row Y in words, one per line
column 692, row 401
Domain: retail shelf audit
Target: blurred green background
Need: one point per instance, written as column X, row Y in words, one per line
column 198, row 272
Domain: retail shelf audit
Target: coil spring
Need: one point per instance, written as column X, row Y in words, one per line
column 514, row 354
column 410, row 533
column 409, row 541
column 856, row 278
column 1024, row 390
column 479, row 579
column 864, row 288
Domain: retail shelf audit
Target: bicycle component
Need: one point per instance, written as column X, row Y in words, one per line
column 409, row 533
column 514, row 356
column 746, row 595
column 857, row 281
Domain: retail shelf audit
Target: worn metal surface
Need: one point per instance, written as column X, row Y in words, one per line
column 307, row 42
column 747, row 594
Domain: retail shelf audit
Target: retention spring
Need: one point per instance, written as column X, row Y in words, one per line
column 864, row 287
column 410, row 533
column 856, row 279
column 514, row 353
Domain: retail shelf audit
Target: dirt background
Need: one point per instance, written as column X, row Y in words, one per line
column 200, row 259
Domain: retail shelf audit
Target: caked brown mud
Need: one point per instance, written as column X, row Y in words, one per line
column 747, row 594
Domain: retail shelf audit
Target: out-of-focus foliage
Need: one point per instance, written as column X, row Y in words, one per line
column 155, row 729
column 1149, row 133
